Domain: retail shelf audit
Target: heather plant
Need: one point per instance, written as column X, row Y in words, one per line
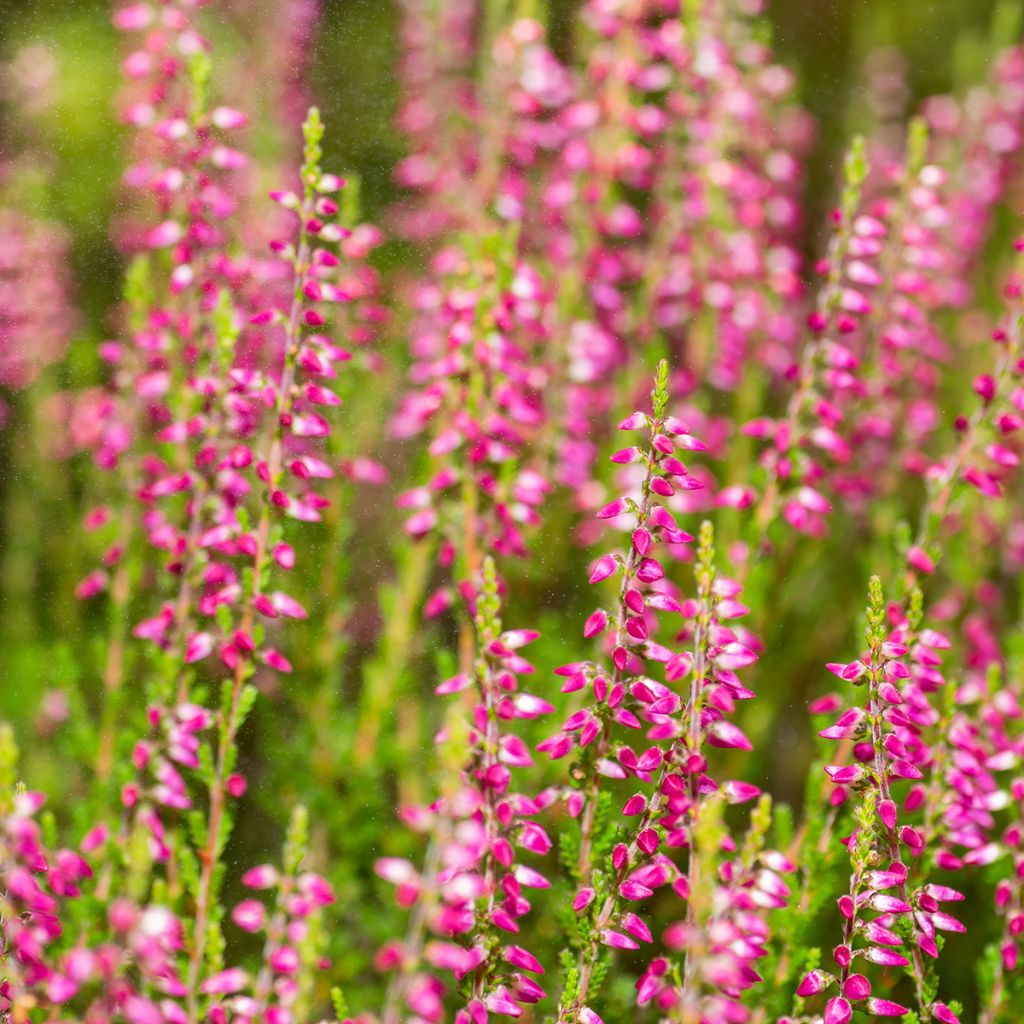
column 358, row 669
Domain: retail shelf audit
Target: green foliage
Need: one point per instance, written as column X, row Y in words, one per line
column 312, row 135
column 297, row 840
column 339, row 1004
column 660, row 395
column 200, row 70
column 783, row 826
column 569, row 851
column 855, row 172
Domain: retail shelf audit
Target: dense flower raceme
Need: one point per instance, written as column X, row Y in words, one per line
column 971, row 798
column 723, row 933
column 473, row 887
column 668, row 139
column 870, row 369
column 254, row 437
column 909, row 285
column 808, row 433
column 987, row 453
column 237, row 451
column 480, row 327
column 975, row 813
column 484, row 315
column 42, row 963
column 973, row 801
column 179, row 226
column 478, row 391
column 182, row 162
column 885, row 908
column 285, row 910
column 951, row 760
column 436, row 114
column 918, row 277
column 591, row 230
column 592, row 226
column 185, row 182
column 475, row 144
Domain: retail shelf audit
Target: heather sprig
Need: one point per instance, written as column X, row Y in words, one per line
column 902, row 346
column 727, row 167
column 180, row 171
column 881, row 911
column 286, row 908
column 927, row 744
column 1009, row 899
column 986, row 454
column 284, row 465
column 41, row 888
column 825, row 368
column 471, row 888
column 37, row 316
column 479, row 391
column 978, row 136
column 673, row 770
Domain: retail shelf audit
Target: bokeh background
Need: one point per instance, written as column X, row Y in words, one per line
column 68, row 60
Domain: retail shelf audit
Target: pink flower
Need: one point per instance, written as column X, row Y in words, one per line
column 838, row 1011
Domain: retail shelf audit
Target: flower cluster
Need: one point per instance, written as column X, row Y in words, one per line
column 132, row 972
column 42, row 961
column 731, row 178
column 254, row 434
column 981, row 138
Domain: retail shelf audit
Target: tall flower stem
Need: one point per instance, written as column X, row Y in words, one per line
column 232, row 708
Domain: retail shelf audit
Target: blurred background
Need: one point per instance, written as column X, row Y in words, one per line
column 61, row 74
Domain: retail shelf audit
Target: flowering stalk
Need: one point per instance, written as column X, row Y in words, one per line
column 39, row 962
column 36, row 314
column 983, row 461
column 728, row 166
column 310, row 355
column 839, row 304
column 979, row 138
column 877, row 847
column 480, row 395
column 639, row 570
column 629, row 626
column 983, row 457
column 471, row 884
column 1009, row 903
column 674, row 768
column 179, row 164
column 291, row 929
column 933, row 743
